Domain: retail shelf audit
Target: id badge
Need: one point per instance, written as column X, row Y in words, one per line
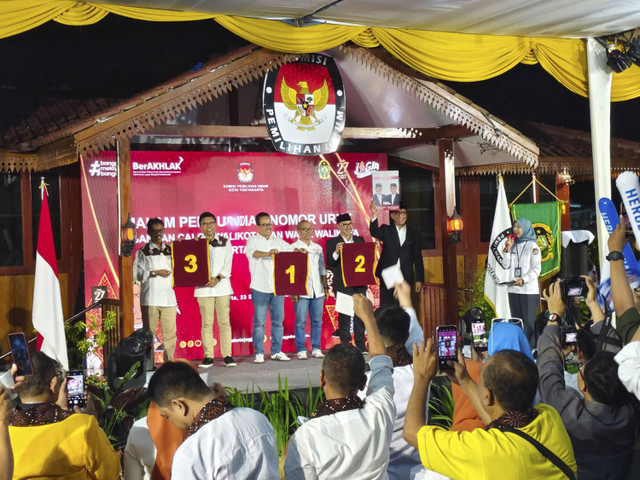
column 518, row 272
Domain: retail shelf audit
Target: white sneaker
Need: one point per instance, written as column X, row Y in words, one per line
column 259, row 358
column 302, row 355
column 317, row 353
column 280, row 356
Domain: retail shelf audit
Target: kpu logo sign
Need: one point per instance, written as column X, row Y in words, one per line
column 304, row 106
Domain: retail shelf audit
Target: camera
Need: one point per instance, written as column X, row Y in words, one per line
column 574, row 286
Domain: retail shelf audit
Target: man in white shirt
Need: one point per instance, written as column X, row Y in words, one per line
column 348, row 438
column 221, row 441
column 317, row 292
column 400, row 329
column 152, row 268
column 260, row 250
column 216, row 294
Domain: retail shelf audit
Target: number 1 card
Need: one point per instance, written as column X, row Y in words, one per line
column 290, row 273
column 190, row 260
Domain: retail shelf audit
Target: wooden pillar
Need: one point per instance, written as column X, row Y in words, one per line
column 125, row 264
column 450, row 271
column 563, row 193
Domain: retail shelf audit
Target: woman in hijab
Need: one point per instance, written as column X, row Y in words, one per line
column 524, row 264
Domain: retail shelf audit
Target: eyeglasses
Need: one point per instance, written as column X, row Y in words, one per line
column 346, row 225
column 157, row 230
column 207, row 224
column 61, row 374
column 308, row 229
column 637, row 290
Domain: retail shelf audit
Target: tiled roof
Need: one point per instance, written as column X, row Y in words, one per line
column 54, row 115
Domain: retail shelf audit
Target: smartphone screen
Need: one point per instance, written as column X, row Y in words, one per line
column 20, row 353
column 447, row 338
column 479, row 332
column 75, row 388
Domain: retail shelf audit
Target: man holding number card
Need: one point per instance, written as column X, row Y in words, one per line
column 260, row 250
column 216, row 294
column 317, row 292
column 152, row 268
column 334, row 249
column 401, row 246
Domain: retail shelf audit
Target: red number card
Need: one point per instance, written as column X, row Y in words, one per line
column 290, row 273
column 190, row 260
column 358, row 264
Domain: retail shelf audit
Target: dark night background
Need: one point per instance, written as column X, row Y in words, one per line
column 119, row 57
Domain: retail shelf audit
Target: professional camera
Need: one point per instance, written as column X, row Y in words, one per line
column 573, row 286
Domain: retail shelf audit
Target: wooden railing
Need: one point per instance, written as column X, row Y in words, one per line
column 432, row 307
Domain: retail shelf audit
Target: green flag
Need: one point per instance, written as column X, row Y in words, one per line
column 545, row 220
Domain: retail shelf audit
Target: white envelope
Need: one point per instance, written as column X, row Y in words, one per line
column 392, row 275
column 344, row 304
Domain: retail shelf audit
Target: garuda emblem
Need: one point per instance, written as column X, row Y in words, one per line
column 304, row 104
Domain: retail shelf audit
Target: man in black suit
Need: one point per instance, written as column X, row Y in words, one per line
column 401, row 244
column 394, row 198
column 332, row 255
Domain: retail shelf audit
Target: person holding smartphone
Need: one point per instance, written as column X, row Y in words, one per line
column 524, row 264
column 64, row 444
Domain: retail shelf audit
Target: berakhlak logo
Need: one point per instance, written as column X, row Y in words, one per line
column 245, row 172
column 304, row 106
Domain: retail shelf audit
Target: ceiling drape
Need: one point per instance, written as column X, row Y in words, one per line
column 447, row 56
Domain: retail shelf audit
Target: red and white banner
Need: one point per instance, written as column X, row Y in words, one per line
column 179, row 186
column 47, row 316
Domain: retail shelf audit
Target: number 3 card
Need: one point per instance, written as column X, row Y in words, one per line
column 190, row 260
column 358, row 264
column 290, row 273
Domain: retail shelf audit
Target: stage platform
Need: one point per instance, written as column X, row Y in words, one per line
column 248, row 375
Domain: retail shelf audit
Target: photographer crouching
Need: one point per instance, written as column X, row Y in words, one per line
column 599, row 418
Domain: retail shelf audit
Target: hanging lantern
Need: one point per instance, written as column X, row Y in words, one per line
column 128, row 237
column 454, row 227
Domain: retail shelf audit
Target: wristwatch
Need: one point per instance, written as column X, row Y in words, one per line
column 614, row 255
column 552, row 317
column 218, row 277
column 152, row 274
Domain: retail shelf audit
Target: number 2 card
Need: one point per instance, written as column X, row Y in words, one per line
column 190, row 260
column 358, row 264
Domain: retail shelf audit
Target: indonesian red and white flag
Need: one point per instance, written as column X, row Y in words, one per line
column 47, row 315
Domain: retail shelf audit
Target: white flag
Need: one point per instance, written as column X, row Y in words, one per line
column 495, row 293
column 47, row 302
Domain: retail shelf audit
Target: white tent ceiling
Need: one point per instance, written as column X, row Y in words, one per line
column 541, row 18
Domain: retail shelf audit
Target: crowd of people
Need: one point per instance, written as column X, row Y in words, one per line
column 514, row 417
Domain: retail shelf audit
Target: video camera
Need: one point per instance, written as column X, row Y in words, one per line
column 573, row 286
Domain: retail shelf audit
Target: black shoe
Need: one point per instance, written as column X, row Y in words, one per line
column 207, row 362
column 228, row 362
column 335, row 334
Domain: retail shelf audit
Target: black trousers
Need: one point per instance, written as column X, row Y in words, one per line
column 344, row 331
column 386, row 295
column 525, row 306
